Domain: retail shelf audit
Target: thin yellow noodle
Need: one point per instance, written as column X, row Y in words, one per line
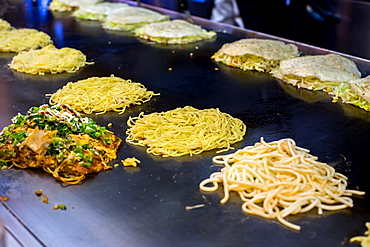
column 4, row 25
column 49, row 60
column 185, row 131
column 101, row 94
column 22, row 39
column 278, row 179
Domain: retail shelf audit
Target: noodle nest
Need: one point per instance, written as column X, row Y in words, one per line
column 184, row 131
column 4, row 25
column 278, row 179
column 49, row 60
column 101, row 94
column 23, row 39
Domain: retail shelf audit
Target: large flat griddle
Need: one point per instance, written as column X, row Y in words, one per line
column 146, row 206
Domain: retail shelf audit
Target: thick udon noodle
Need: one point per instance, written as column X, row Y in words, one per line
column 278, row 179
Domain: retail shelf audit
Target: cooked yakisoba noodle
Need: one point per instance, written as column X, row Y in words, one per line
column 277, row 179
column 49, row 60
column 101, row 94
column 23, row 39
column 4, row 25
column 184, row 131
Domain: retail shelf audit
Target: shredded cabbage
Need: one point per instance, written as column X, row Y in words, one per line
column 312, row 83
column 88, row 15
column 129, row 27
column 347, row 95
column 247, row 62
column 178, row 40
column 59, row 6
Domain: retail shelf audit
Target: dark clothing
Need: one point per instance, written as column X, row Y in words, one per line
column 299, row 20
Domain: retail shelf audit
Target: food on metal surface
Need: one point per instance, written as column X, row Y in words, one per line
column 49, row 60
column 174, row 32
column 101, row 94
column 320, row 72
column 277, row 179
column 44, row 199
column 59, row 6
column 4, row 198
column 184, row 131
column 255, row 54
column 355, row 92
column 59, row 206
column 38, row 192
column 194, row 207
column 130, row 162
column 97, row 11
column 59, row 140
column 131, row 18
column 364, row 240
column 4, row 25
column 69, row 5
column 23, row 39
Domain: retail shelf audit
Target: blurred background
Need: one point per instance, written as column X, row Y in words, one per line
column 339, row 25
